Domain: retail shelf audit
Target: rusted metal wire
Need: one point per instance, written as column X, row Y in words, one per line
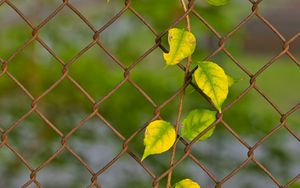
column 189, row 11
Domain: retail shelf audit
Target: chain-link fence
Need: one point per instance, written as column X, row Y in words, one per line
column 189, row 11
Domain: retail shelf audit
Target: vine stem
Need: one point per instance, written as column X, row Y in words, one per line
column 188, row 26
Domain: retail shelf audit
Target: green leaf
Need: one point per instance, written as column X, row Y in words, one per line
column 187, row 183
column 159, row 137
column 196, row 122
column 213, row 81
column 182, row 44
column 217, row 2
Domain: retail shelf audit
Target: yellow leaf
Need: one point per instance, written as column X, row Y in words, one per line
column 187, row 183
column 159, row 137
column 182, row 44
column 213, row 81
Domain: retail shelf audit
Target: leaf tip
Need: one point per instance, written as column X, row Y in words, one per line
column 145, row 155
column 219, row 108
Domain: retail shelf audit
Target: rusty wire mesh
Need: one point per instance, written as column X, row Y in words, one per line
column 96, row 41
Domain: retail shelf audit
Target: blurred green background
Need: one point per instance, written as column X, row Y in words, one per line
column 127, row 110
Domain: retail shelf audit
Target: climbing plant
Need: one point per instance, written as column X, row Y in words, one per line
column 210, row 78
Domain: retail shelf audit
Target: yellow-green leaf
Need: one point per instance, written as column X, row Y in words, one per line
column 196, row 122
column 213, row 81
column 187, row 183
column 159, row 137
column 218, row 2
column 182, row 44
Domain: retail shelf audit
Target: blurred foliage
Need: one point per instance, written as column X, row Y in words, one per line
column 127, row 110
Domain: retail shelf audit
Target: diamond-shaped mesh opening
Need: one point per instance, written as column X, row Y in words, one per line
column 252, row 129
column 96, row 72
column 163, row 82
column 91, row 139
column 285, row 70
column 209, row 152
column 64, row 106
column 66, row 170
column 45, row 67
column 280, row 156
column 120, row 116
column 71, row 32
column 126, row 33
column 242, row 44
column 258, row 31
column 23, row 139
